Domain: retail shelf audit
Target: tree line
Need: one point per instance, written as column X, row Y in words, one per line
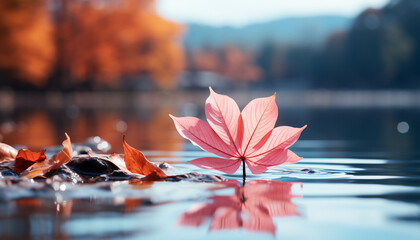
column 77, row 44
column 125, row 44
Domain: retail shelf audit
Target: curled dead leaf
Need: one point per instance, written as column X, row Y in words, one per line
column 7, row 152
column 25, row 159
column 39, row 169
column 116, row 159
column 136, row 162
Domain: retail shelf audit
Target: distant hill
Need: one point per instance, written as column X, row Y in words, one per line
column 299, row 30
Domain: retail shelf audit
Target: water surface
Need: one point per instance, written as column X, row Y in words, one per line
column 359, row 179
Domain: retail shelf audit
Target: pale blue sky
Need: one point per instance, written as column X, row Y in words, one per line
column 242, row 12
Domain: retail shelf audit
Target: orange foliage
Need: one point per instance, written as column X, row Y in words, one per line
column 26, row 40
column 104, row 40
column 97, row 41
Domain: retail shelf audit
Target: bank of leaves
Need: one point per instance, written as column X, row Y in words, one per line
column 28, row 164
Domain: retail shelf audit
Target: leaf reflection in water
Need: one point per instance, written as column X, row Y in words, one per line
column 252, row 207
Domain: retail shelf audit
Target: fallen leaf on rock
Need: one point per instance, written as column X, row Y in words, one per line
column 25, row 159
column 39, row 169
column 240, row 137
column 136, row 162
column 7, row 152
column 116, row 159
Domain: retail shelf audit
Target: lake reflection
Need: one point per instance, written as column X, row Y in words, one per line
column 251, row 207
column 375, row 133
column 42, row 128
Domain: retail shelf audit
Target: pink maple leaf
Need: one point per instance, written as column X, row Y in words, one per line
column 240, row 137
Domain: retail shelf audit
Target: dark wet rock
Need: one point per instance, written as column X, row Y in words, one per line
column 93, row 169
column 194, row 177
column 7, row 173
column 67, row 175
column 91, row 166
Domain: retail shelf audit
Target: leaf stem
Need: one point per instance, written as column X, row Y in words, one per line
column 243, row 171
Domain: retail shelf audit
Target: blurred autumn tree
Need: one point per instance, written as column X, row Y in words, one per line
column 102, row 41
column 98, row 42
column 27, row 49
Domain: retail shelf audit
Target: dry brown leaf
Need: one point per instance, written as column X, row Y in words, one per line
column 136, row 162
column 7, row 152
column 116, row 159
column 25, row 159
column 39, row 169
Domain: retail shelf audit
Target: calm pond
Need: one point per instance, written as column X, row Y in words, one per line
column 359, row 179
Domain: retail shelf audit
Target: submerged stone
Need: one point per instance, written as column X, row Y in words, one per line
column 93, row 169
column 6, row 171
